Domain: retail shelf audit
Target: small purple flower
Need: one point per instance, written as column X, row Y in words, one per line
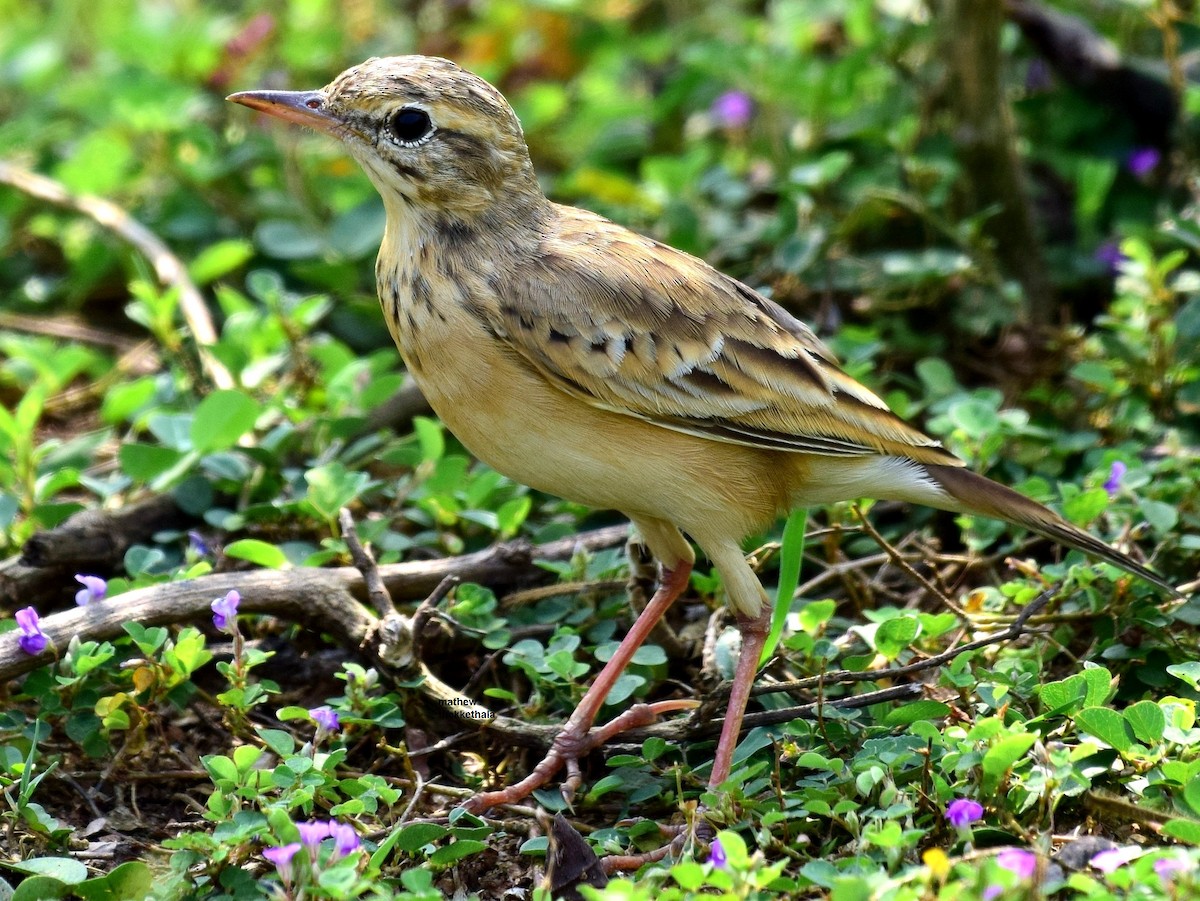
column 1037, row 76
column 313, row 833
column 1115, row 474
column 225, row 611
column 94, row 588
column 716, row 855
column 345, row 839
column 1166, row 868
column 1142, row 161
column 326, row 718
column 1115, row 858
column 281, row 856
column 1019, row 861
column 1109, row 253
column 963, row 812
column 33, row 640
column 733, row 109
column 197, row 544
column 992, row 892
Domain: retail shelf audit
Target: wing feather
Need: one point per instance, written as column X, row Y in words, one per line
column 638, row 328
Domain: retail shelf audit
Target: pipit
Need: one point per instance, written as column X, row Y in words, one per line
column 593, row 363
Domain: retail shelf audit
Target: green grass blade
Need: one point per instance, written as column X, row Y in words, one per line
column 791, row 551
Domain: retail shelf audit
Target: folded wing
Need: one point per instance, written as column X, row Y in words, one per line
column 638, row 328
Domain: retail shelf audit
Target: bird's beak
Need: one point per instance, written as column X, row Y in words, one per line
column 301, row 107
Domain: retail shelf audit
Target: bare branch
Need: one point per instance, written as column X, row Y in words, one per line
column 169, row 269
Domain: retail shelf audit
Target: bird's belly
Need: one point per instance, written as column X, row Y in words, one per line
column 511, row 418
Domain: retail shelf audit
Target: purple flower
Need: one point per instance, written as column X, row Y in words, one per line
column 1019, row 861
column 33, row 640
column 1142, row 161
column 197, row 544
column 1166, row 868
column 313, row 833
column 94, row 588
column 281, row 856
column 1115, row 474
column 716, row 855
column 1037, row 76
column 225, row 611
column 963, row 811
column 345, row 839
column 1109, row 253
column 1115, row 858
column 326, row 718
column 733, row 109
column 992, row 892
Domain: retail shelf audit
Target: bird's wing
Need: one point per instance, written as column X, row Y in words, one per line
column 635, row 327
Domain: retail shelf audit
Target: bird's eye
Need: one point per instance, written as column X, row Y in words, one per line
column 410, row 126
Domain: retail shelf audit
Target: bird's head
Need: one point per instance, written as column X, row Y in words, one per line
column 429, row 134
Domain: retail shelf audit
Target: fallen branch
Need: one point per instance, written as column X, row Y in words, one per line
column 90, row 541
column 326, row 600
column 169, row 269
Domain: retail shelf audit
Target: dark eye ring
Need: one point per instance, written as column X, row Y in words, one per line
column 410, row 126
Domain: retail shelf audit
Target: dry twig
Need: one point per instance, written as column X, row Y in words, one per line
column 169, row 269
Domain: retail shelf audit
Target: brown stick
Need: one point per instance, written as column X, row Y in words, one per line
column 328, row 600
column 168, row 268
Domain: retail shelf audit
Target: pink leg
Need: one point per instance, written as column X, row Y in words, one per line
column 754, row 636
column 574, row 741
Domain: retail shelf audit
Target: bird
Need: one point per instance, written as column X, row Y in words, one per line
column 590, row 362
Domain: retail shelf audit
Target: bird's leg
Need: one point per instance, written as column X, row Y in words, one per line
column 577, row 737
column 754, row 631
column 754, row 636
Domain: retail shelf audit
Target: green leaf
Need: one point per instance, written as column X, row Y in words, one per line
column 908, row 714
column 1191, row 795
column 456, row 851
column 131, row 881
column 431, row 437
column 219, row 259
column 332, row 486
column 221, row 419
column 1107, row 725
column 1065, row 696
column 649, row 655
column 1085, row 506
column 257, row 552
column 145, row 461
column 1100, row 685
column 974, row 416
column 64, row 869
column 937, row 376
column 896, row 634
column 288, row 240
column 41, row 888
column 414, row 837
column 1147, row 721
column 1183, row 830
column 814, row 615
column 1188, row 672
column 1162, row 517
column 735, row 849
column 220, row 768
column 1001, row 757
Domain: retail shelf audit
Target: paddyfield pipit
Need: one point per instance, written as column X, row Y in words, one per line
column 590, row 362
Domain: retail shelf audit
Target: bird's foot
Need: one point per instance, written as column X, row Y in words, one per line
column 569, row 747
column 697, row 833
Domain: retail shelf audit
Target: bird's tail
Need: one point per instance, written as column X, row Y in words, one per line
column 977, row 494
